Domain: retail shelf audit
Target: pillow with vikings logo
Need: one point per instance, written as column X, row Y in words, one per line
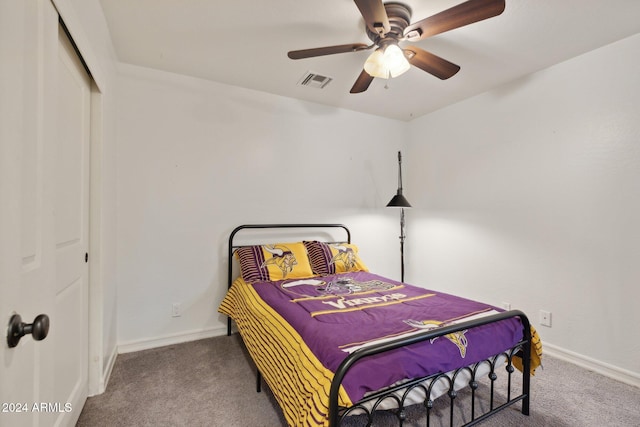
column 332, row 258
column 274, row 262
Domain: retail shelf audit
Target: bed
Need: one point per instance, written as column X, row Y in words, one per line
column 334, row 341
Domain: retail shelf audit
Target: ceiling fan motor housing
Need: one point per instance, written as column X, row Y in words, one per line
column 399, row 15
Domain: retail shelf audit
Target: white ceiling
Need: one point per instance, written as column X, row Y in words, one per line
column 245, row 43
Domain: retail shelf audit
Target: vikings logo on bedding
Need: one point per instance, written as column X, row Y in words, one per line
column 282, row 257
column 457, row 338
column 340, row 287
column 349, row 286
column 345, row 255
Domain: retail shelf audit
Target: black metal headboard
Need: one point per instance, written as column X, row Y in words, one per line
column 233, row 245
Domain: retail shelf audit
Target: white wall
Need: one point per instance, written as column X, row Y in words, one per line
column 196, row 159
column 530, row 194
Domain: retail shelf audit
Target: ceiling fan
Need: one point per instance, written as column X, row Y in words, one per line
column 388, row 24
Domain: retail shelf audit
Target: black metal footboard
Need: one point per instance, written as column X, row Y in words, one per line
column 399, row 393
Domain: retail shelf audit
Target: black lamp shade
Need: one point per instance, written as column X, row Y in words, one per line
column 399, row 201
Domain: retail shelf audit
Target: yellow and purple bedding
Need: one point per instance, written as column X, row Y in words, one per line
column 299, row 329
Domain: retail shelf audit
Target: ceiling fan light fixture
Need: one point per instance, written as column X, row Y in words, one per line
column 374, row 65
column 387, row 62
column 395, row 60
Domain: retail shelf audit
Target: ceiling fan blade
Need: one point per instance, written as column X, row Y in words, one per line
column 375, row 15
column 432, row 64
column 328, row 50
column 458, row 16
column 362, row 82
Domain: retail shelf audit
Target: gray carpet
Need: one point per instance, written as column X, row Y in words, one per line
column 211, row 382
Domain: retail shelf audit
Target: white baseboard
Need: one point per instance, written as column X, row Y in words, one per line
column 148, row 343
column 614, row 372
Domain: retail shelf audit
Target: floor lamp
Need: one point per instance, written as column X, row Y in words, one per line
column 399, row 201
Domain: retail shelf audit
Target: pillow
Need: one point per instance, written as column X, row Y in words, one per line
column 332, row 258
column 273, row 262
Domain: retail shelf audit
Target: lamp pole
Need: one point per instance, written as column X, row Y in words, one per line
column 399, row 201
column 402, row 237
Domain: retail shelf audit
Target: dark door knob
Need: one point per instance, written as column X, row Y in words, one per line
column 17, row 329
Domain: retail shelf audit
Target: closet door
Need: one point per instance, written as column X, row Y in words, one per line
column 71, row 227
column 44, row 188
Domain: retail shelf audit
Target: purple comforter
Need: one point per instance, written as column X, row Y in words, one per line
column 337, row 314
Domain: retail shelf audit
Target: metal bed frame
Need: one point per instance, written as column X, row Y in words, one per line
column 399, row 393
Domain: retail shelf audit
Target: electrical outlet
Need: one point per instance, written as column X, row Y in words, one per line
column 175, row 310
column 506, row 305
column 545, row 318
